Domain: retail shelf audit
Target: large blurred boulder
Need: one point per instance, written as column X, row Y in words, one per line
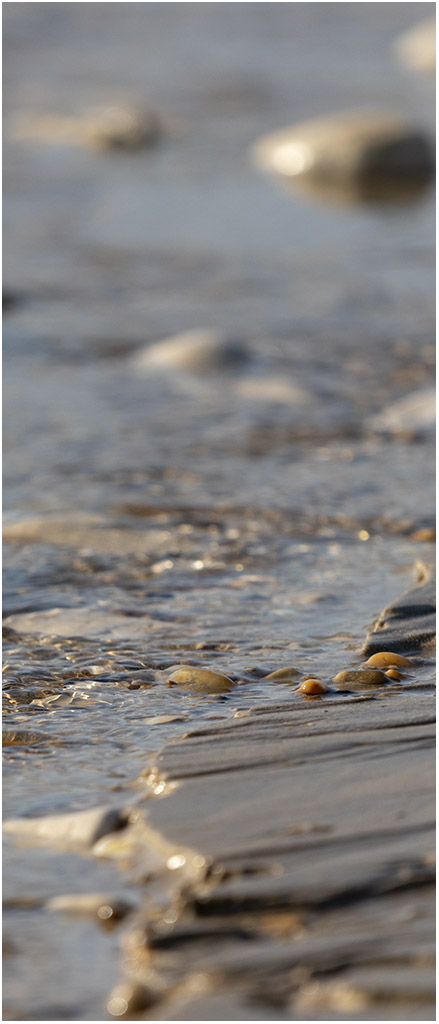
column 366, row 155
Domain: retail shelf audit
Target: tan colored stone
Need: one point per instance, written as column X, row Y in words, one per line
column 199, row 680
column 113, row 127
column 388, row 659
column 283, row 675
column 417, row 47
column 198, row 351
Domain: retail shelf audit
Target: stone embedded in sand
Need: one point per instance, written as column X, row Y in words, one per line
column 387, row 659
column 282, row 675
column 417, row 47
column 68, row 831
column 106, row 908
column 198, row 680
column 197, row 351
column 357, row 678
column 357, row 149
column 113, row 127
column 312, row 687
column 427, row 534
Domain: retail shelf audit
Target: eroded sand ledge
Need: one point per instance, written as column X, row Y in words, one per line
column 316, row 822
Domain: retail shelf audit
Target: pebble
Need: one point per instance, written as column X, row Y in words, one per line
column 283, row 675
column 106, row 908
column 80, row 829
column 388, row 659
column 349, row 150
column 417, row 47
column 196, row 352
column 357, row 678
column 313, row 687
column 114, row 127
column 393, row 674
column 409, row 417
column 163, row 719
column 426, row 535
column 199, row 680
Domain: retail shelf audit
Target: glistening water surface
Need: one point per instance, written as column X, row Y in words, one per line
column 242, row 516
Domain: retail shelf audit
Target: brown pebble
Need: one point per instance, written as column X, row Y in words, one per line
column 199, row 680
column 387, row 659
column 282, row 675
column 359, row 678
column 392, row 673
column 426, row 534
column 312, row 686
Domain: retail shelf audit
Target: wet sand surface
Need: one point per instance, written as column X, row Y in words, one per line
column 243, row 512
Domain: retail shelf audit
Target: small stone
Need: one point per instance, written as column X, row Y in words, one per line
column 106, row 908
column 196, row 352
column 392, row 673
column 163, row 719
column 426, row 535
column 114, row 127
column 359, row 678
column 388, row 659
column 199, row 680
column 77, row 830
column 313, row 687
column 371, row 154
column 417, row 47
column 283, row 675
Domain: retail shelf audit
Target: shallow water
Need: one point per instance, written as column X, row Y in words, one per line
column 241, row 520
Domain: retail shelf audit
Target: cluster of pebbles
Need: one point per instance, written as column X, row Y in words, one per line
column 377, row 671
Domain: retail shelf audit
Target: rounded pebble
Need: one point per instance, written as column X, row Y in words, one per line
column 392, row 673
column 388, row 659
column 199, row 680
column 282, row 675
column 357, row 678
column 426, row 535
column 313, row 687
column 114, row 127
column 196, row 352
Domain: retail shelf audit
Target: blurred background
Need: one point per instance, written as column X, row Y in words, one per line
column 260, row 484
